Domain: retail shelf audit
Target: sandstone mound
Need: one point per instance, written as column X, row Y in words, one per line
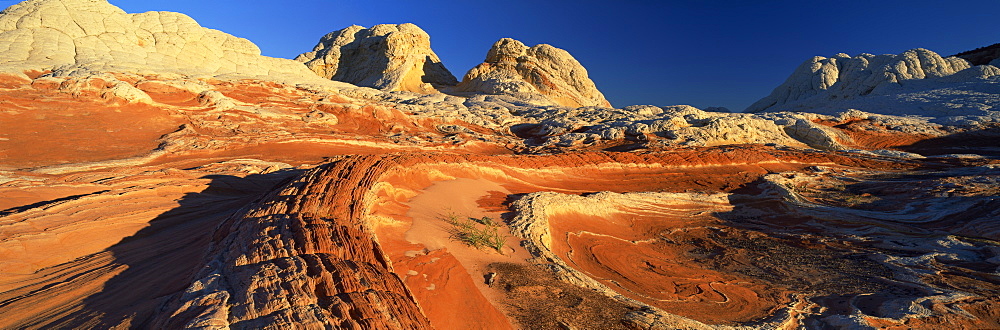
column 511, row 68
column 916, row 82
column 388, row 57
column 85, row 36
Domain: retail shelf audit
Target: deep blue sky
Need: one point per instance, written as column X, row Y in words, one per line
column 702, row 53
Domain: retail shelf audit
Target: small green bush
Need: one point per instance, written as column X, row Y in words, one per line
column 478, row 233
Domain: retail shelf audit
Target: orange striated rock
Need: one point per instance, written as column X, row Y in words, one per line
column 68, row 128
column 330, row 201
column 100, row 249
column 108, row 170
column 620, row 252
column 298, row 258
column 865, row 134
column 160, row 197
column 307, row 246
column 337, row 246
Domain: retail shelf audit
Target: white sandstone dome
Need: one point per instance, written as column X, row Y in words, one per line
column 511, row 68
column 388, row 57
column 85, row 36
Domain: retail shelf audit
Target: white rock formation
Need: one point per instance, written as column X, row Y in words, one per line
column 540, row 92
column 916, row 82
column 81, row 37
column 511, row 68
column 387, row 57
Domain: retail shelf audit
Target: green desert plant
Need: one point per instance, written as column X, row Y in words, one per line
column 478, row 233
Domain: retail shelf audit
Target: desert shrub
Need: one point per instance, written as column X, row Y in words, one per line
column 477, row 232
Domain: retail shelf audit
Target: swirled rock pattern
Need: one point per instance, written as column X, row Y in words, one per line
column 162, row 193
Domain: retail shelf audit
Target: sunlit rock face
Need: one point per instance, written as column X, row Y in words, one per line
column 159, row 191
column 85, row 36
column 916, row 82
column 387, row 57
column 511, row 68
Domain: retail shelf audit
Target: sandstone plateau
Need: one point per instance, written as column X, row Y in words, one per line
column 158, row 174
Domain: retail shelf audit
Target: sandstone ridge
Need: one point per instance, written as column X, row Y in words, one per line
column 388, row 57
column 511, row 68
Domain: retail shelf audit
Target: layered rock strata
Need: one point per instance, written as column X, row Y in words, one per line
column 294, row 260
column 387, row 57
column 102, row 249
column 152, row 189
column 610, row 242
column 373, row 193
column 252, row 108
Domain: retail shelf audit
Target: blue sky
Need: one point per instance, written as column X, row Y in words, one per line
column 702, row 53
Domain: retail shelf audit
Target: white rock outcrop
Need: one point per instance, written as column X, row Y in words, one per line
column 81, row 37
column 916, row 82
column 388, row 57
column 511, row 68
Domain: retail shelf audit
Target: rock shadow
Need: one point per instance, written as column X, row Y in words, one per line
column 819, row 256
column 23, row 208
column 160, row 259
column 780, row 258
column 443, row 77
column 981, row 142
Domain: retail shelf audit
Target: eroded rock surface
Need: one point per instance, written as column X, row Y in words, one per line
column 387, row 57
column 87, row 36
column 610, row 242
column 916, row 82
column 511, row 68
column 163, row 193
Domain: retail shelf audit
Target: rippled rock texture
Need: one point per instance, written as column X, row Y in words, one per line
column 336, row 218
column 135, row 197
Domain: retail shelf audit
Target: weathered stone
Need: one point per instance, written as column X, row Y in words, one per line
column 511, row 68
column 80, row 37
column 916, row 82
column 388, row 57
